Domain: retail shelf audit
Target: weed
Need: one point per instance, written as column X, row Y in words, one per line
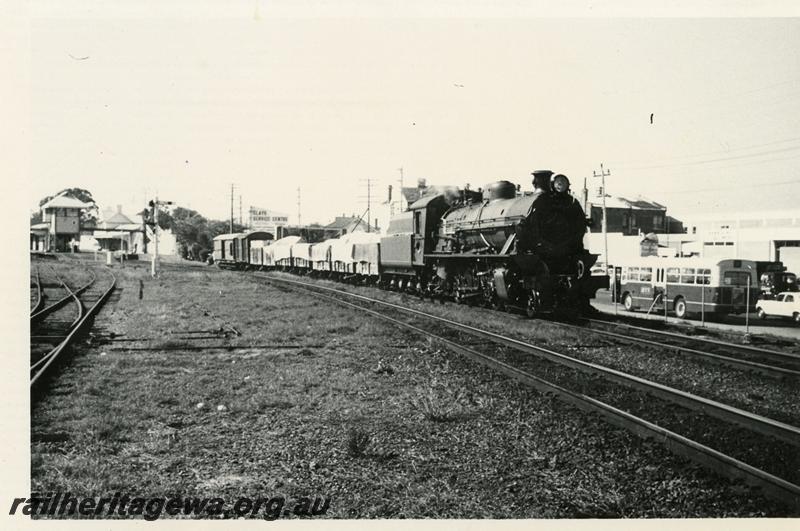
column 383, row 369
column 439, row 404
column 357, row 442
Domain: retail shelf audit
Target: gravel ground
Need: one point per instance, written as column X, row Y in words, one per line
column 321, row 400
column 760, row 394
column 778, row 458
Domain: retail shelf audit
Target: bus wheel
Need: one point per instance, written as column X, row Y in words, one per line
column 627, row 302
column 762, row 314
column 680, row 308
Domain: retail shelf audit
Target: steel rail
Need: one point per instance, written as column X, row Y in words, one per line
column 39, row 297
column 752, row 421
column 747, row 349
column 61, row 302
column 708, row 457
column 761, row 368
column 78, row 316
column 36, row 377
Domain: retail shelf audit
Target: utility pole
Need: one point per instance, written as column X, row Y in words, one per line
column 154, row 264
column 241, row 219
column 603, row 174
column 231, row 226
column 369, row 200
column 299, row 217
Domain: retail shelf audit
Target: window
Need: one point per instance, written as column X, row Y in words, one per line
column 673, row 274
column 704, row 276
column 789, row 298
column 633, row 273
column 646, row 274
column 687, row 275
column 735, row 278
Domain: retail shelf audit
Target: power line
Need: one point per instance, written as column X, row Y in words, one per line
column 708, row 153
column 738, row 187
column 709, row 161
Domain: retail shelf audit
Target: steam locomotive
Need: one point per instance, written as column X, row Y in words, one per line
column 495, row 247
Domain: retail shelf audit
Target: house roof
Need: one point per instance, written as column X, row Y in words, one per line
column 347, row 222
column 117, row 219
column 63, row 201
column 341, row 222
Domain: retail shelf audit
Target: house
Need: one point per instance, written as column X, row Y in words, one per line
column 347, row 224
column 115, row 232
column 630, row 216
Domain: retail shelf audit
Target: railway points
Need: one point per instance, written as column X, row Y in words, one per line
column 223, row 302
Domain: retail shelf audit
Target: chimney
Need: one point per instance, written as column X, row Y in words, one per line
column 390, row 194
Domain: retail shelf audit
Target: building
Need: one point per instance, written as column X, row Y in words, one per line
column 347, row 224
column 265, row 220
column 772, row 235
column 60, row 228
column 630, row 216
column 115, row 232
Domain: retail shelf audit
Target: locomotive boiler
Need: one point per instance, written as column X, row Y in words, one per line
column 500, row 247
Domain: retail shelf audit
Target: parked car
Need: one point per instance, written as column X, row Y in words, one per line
column 787, row 304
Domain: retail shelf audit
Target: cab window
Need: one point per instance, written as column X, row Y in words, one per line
column 735, row 278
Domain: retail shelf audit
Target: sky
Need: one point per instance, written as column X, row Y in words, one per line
column 128, row 104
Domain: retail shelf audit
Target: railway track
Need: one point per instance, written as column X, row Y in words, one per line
column 37, row 296
column 707, row 432
column 744, row 357
column 55, row 326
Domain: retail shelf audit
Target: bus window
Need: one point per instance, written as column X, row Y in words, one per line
column 673, row 274
column 633, row 273
column 687, row 275
column 735, row 278
column 704, row 276
column 646, row 274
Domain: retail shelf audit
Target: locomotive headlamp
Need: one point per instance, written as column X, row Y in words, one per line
column 560, row 183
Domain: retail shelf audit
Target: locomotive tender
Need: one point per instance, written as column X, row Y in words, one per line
column 495, row 247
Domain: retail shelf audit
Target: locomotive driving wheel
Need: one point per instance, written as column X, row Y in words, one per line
column 534, row 304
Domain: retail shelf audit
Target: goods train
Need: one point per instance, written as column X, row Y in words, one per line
column 496, row 247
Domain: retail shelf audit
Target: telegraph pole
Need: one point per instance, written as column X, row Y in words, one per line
column 241, row 219
column 603, row 174
column 231, row 226
column 369, row 201
column 299, row 217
